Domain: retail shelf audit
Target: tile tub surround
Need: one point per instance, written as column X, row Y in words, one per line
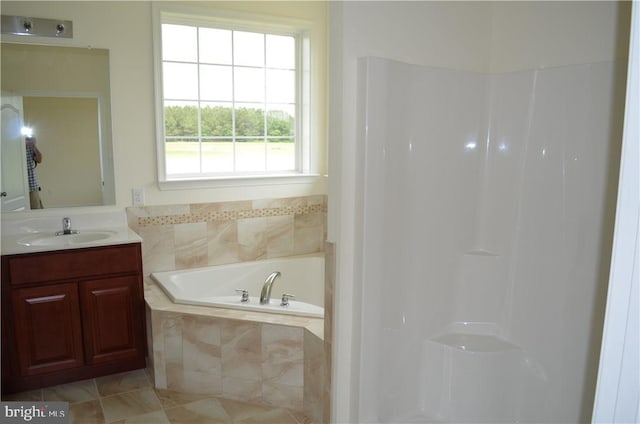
column 191, row 346
column 264, row 359
column 196, row 235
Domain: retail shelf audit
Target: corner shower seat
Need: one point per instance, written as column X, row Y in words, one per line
column 471, row 378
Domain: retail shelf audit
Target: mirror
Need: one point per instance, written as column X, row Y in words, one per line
column 63, row 95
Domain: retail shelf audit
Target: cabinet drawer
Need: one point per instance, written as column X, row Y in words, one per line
column 72, row 264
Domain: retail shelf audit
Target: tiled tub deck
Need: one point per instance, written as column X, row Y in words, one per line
column 260, row 358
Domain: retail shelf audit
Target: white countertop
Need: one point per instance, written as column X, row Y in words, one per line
column 11, row 243
column 17, row 229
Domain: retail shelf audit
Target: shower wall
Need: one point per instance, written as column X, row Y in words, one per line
column 486, row 214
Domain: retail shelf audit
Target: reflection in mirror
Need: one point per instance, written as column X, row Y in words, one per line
column 62, row 94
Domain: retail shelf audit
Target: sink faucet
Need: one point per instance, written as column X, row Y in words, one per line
column 265, row 294
column 66, row 227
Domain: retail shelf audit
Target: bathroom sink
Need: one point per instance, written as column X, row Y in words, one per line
column 47, row 239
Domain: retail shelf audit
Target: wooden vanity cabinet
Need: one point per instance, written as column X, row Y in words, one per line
column 71, row 315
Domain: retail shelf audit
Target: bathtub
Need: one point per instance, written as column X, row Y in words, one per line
column 217, row 286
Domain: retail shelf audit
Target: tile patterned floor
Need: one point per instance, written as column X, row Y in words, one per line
column 131, row 398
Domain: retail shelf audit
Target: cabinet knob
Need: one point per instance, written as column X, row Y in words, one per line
column 3, row 194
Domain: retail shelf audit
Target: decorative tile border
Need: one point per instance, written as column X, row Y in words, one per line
column 229, row 215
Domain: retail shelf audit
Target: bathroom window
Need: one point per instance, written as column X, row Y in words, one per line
column 232, row 96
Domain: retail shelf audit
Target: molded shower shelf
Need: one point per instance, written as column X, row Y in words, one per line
column 480, row 252
column 464, row 376
column 475, row 342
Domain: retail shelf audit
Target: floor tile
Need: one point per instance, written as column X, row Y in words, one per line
column 157, row 417
column 207, row 411
column 123, row 382
column 31, row 395
column 129, row 404
column 80, row 391
column 172, row 398
column 129, row 398
column 280, row 416
column 238, row 410
column 301, row 418
column 86, row 413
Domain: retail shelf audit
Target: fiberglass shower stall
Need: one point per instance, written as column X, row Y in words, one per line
column 488, row 202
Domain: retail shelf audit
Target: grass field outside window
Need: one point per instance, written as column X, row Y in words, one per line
column 216, row 157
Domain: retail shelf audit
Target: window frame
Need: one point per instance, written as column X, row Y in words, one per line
column 306, row 149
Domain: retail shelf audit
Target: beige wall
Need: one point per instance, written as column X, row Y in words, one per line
column 529, row 34
column 439, row 33
column 124, row 27
column 486, row 36
column 67, row 133
column 44, row 68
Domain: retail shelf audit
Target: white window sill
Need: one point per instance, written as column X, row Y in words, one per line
column 238, row 181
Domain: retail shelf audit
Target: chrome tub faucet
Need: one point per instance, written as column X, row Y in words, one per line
column 265, row 294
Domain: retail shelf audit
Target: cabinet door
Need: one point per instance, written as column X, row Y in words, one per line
column 48, row 329
column 112, row 311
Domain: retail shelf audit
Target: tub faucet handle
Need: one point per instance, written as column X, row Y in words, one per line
column 285, row 299
column 245, row 295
